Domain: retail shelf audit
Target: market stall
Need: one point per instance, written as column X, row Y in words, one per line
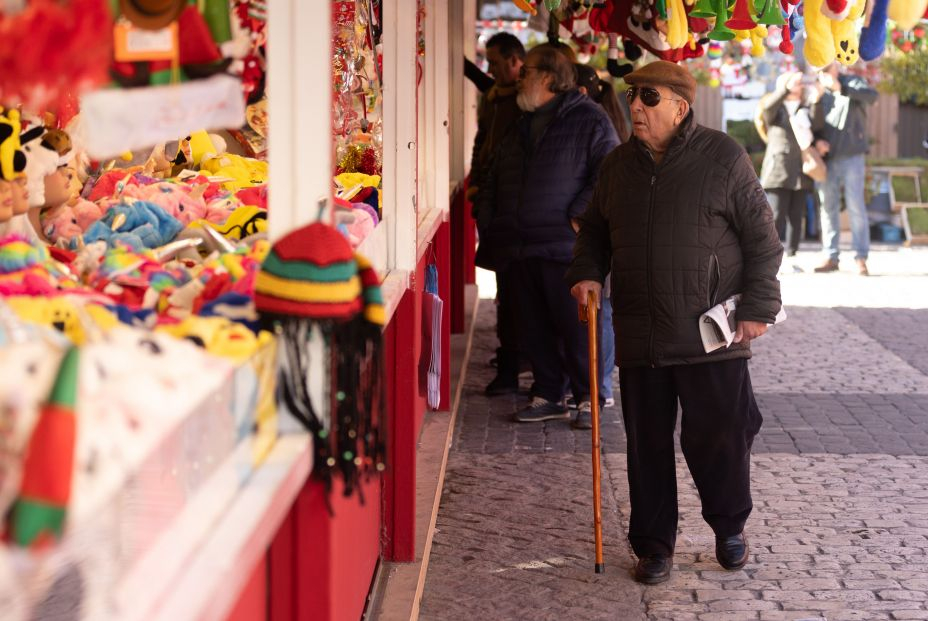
column 192, row 427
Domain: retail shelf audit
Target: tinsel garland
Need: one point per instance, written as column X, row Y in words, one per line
column 361, row 158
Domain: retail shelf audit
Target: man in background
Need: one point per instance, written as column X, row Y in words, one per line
column 843, row 109
column 496, row 115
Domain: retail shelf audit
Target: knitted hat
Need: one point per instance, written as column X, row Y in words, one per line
column 310, row 273
column 12, row 159
column 312, row 277
column 665, row 73
column 152, row 14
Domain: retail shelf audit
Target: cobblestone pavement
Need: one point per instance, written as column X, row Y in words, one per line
column 840, row 479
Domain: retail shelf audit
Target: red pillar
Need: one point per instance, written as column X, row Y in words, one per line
column 463, row 244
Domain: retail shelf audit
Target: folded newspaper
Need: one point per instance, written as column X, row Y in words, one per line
column 717, row 326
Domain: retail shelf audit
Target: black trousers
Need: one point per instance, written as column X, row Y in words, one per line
column 507, row 326
column 719, row 422
column 788, row 208
column 552, row 336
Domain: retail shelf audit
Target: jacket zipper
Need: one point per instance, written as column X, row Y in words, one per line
column 650, row 274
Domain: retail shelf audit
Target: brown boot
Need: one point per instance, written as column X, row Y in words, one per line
column 831, row 265
column 862, row 267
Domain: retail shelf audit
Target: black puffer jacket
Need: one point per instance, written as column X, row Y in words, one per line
column 528, row 196
column 682, row 236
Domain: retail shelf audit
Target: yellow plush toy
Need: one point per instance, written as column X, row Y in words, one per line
column 219, row 336
column 820, row 42
column 244, row 172
column 828, row 40
column 64, row 315
column 906, row 13
column 847, row 35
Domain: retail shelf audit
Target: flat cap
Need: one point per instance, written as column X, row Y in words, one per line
column 664, row 73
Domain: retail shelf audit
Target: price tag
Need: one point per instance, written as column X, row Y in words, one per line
column 133, row 44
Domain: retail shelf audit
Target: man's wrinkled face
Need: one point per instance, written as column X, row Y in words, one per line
column 504, row 70
column 534, row 85
column 656, row 125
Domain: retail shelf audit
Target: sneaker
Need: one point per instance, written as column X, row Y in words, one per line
column 541, row 410
column 610, row 402
column 584, row 418
column 831, row 265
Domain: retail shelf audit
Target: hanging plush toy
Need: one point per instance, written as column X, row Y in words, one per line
column 907, row 13
column 636, row 21
column 873, row 34
column 847, row 36
column 310, row 280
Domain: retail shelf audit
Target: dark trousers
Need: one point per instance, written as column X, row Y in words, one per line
column 719, row 422
column 507, row 326
column 788, row 208
column 552, row 336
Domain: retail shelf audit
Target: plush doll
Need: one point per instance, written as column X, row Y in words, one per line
column 873, row 34
column 60, row 223
column 182, row 202
column 820, row 42
column 847, row 36
column 907, row 13
column 244, row 172
column 141, row 225
column 70, row 316
column 196, row 147
column 12, row 158
column 635, row 21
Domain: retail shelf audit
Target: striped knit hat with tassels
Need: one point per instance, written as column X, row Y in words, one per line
column 312, row 277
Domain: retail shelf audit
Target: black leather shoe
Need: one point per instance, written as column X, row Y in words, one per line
column 653, row 569
column 502, row 386
column 732, row 552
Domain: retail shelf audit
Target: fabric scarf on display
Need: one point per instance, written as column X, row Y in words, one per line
column 38, row 514
column 312, row 279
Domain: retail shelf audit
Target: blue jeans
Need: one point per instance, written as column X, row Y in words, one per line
column 845, row 174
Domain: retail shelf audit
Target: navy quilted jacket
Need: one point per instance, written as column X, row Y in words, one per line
column 524, row 207
column 681, row 237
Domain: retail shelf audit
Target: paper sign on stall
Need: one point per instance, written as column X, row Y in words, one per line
column 115, row 121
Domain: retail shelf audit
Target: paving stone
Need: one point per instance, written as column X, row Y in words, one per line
column 839, row 529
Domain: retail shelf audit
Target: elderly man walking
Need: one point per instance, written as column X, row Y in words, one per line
column 681, row 216
column 541, row 180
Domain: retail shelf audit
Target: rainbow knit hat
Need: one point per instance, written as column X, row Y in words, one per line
column 310, row 273
column 313, row 277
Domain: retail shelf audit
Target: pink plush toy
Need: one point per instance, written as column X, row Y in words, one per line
column 87, row 212
column 184, row 203
column 60, row 223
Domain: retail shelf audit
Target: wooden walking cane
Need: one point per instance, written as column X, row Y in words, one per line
column 588, row 315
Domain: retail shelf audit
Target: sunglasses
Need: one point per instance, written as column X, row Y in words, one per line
column 649, row 96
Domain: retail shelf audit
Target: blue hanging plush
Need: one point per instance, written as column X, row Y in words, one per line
column 873, row 37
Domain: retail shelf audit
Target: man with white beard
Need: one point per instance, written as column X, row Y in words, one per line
column 540, row 180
